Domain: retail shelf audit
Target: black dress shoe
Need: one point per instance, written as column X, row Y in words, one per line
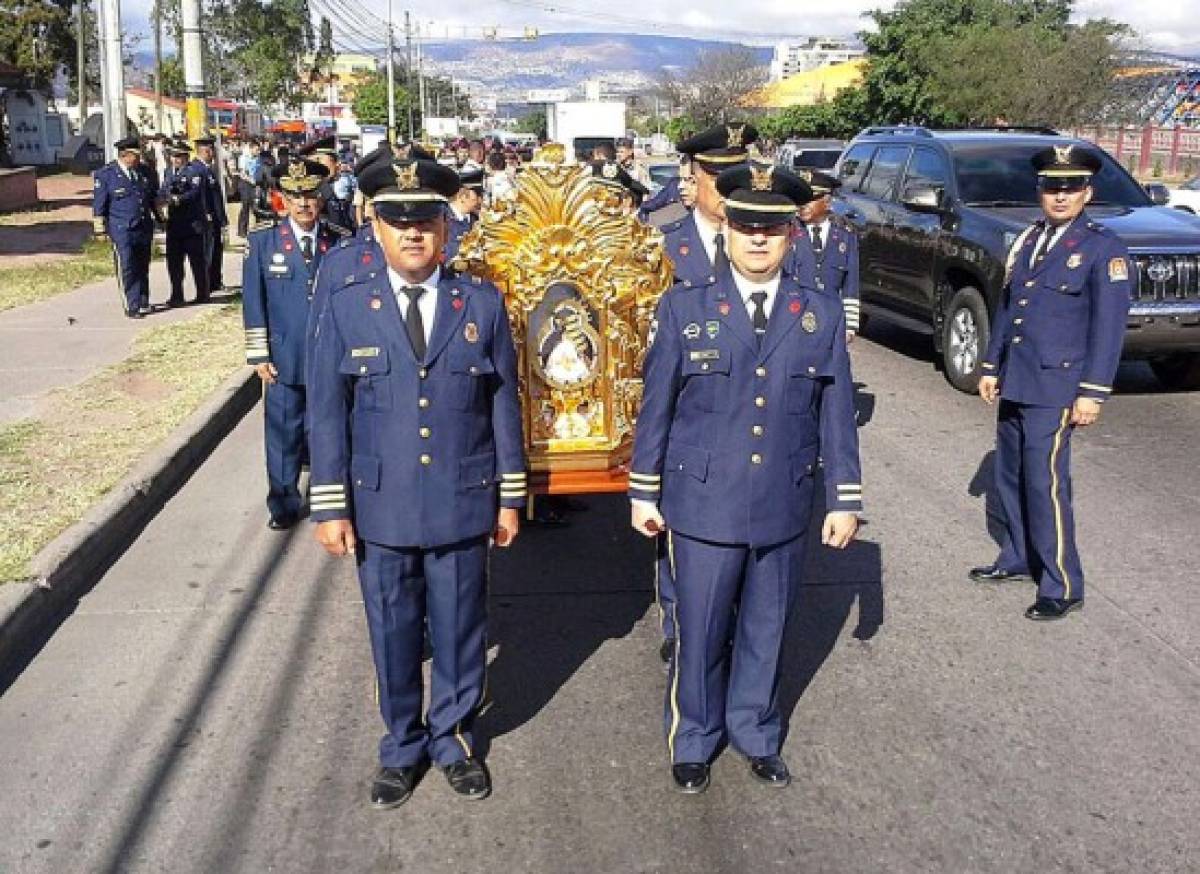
column 134, row 315
column 282, row 523
column 666, row 650
column 691, row 778
column 175, row 302
column 770, row 771
column 993, row 573
column 469, row 778
column 393, row 786
column 1044, row 609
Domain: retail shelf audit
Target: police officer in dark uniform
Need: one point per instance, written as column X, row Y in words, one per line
column 1055, row 346
column 417, row 457
column 338, row 211
column 214, row 208
column 277, row 280
column 746, row 384
column 616, row 177
column 184, row 194
column 825, row 252
column 124, row 207
column 464, row 209
column 696, row 246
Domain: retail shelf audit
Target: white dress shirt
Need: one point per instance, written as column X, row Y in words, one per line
column 708, row 234
column 301, row 234
column 427, row 302
column 747, row 287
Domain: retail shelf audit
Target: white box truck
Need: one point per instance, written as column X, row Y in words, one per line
column 582, row 125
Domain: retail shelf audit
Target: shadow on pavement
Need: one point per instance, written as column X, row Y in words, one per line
column 591, row 582
column 983, row 484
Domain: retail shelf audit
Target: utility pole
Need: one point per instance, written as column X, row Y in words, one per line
column 158, row 116
column 391, row 78
column 408, row 72
column 81, row 62
column 421, row 76
column 193, row 70
column 112, row 83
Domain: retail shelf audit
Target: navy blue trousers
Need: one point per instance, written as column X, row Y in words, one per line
column 1033, row 481
column 191, row 248
column 131, row 256
column 285, row 443
column 214, row 254
column 403, row 588
column 713, row 693
column 664, row 587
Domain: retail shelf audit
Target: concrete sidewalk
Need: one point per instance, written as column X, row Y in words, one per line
column 65, row 339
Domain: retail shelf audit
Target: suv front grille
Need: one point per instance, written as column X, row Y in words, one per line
column 1166, row 278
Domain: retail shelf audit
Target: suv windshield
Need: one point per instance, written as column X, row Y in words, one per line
column 815, row 159
column 992, row 175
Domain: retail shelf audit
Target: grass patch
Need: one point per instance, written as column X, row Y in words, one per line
column 88, row 437
column 25, row 285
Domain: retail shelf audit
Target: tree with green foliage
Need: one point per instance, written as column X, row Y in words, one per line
column 534, row 123
column 38, row 37
column 370, row 104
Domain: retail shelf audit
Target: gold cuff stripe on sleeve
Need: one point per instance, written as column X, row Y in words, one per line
column 647, row 477
column 327, row 490
column 514, row 476
column 760, row 207
column 329, row 505
column 1094, row 387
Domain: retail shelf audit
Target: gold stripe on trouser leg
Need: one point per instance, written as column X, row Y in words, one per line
column 120, row 274
column 1058, row 520
column 662, row 616
column 678, row 646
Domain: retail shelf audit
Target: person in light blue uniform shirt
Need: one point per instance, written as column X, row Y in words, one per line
column 1054, row 351
column 277, row 281
column 124, row 207
column 417, row 459
column 184, row 188
column 747, row 388
column 695, row 245
column 825, row 251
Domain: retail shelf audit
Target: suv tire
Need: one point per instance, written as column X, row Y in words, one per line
column 1178, row 371
column 966, row 330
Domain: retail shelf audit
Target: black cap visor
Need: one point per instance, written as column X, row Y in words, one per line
column 755, row 210
column 396, row 210
column 1064, row 181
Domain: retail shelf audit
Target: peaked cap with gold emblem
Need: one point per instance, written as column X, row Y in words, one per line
column 721, row 146
column 612, row 174
column 409, row 190
column 299, row 176
column 1066, row 166
column 762, row 195
column 821, row 183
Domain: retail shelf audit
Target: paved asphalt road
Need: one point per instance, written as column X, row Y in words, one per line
column 208, row 708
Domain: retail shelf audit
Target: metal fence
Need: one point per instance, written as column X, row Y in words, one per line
column 1166, row 151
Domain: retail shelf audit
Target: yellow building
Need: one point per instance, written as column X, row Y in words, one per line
column 810, row 87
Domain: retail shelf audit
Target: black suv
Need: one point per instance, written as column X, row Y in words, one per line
column 937, row 211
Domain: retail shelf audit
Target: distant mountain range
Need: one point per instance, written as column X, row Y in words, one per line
column 507, row 68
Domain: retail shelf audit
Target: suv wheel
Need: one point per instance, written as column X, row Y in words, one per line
column 1178, row 371
column 965, row 334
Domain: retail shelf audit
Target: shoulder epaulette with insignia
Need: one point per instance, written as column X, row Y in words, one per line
column 260, row 229
column 672, row 226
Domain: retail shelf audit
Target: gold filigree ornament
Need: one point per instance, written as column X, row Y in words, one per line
column 581, row 281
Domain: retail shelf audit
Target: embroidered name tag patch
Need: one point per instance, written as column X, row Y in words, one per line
column 704, row 354
column 365, row 352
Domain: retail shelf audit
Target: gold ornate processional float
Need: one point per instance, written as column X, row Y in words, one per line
column 581, row 277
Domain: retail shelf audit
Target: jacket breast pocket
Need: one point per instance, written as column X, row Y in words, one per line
column 370, row 368
column 364, row 472
column 1064, row 360
column 705, row 380
column 471, row 373
column 692, row 461
column 805, row 376
column 477, row 472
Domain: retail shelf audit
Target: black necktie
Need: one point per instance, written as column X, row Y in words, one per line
column 306, row 248
column 816, row 239
column 720, row 259
column 1044, row 246
column 759, row 317
column 413, row 321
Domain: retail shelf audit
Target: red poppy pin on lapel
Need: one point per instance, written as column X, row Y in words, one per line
column 366, row 258
column 683, row 250
column 457, row 303
column 794, row 307
column 287, row 247
column 376, row 303
column 723, row 308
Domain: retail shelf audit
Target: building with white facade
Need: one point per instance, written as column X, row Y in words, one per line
column 793, row 57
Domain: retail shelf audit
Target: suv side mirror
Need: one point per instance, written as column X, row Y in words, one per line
column 923, row 198
column 1160, row 195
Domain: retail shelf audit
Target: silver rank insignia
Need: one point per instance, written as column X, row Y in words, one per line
column 691, row 331
column 809, row 322
column 1074, row 261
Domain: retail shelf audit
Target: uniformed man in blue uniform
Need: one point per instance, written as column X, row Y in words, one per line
column 1055, row 346
column 417, row 458
column 214, row 208
column 184, row 195
column 616, row 177
column 696, row 247
column 464, row 209
column 277, row 281
column 124, row 207
column 828, row 247
column 337, row 211
column 746, row 386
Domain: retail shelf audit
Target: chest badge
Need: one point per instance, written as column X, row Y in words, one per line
column 809, row 322
column 794, row 308
column 471, row 332
column 712, row 329
column 692, row 331
column 277, row 258
column 1074, row 261
column 376, row 303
